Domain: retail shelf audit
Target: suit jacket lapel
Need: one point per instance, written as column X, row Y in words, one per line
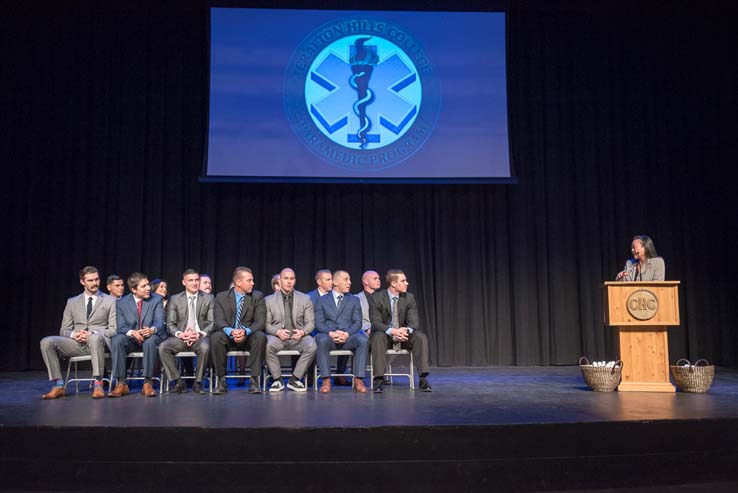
column 146, row 305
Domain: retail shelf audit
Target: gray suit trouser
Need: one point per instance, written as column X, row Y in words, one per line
column 54, row 346
column 306, row 346
column 173, row 345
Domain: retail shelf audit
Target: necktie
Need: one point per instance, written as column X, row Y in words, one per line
column 89, row 306
column 288, row 324
column 139, row 305
column 239, row 309
column 338, row 300
column 395, row 322
column 191, row 318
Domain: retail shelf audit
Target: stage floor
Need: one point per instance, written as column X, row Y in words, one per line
column 461, row 396
column 481, row 429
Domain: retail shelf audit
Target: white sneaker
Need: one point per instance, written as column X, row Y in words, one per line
column 276, row 386
column 296, row 385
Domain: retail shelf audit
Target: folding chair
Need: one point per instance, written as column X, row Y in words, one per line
column 389, row 373
column 335, row 352
column 75, row 360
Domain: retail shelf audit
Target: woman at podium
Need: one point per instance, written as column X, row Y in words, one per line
column 645, row 265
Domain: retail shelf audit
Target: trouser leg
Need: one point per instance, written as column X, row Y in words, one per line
column 324, row 345
column 54, row 346
column 167, row 350
column 96, row 346
column 151, row 353
column 359, row 344
column 274, row 345
column 418, row 343
column 202, row 349
column 307, row 349
column 256, row 345
column 378, row 343
column 219, row 345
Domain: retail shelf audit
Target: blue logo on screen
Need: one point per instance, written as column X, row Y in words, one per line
column 361, row 94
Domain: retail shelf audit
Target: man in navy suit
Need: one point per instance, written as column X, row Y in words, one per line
column 338, row 321
column 140, row 321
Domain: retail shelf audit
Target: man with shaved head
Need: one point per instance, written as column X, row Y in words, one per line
column 289, row 322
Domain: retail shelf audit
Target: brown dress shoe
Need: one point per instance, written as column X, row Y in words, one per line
column 98, row 392
column 359, row 386
column 148, row 390
column 54, row 393
column 325, row 387
column 120, row 390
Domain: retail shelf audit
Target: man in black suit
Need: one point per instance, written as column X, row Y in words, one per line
column 394, row 317
column 240, row 316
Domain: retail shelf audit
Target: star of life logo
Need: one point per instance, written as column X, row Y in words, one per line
column 361, row 94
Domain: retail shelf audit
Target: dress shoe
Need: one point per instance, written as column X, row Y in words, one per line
column 98, row 392
column 120, row 390
column 378, row 385
column 197, row 388
column 341, row 382
column 359, row 386
column 424, row 385
column 179, row 388
column 254, row 386
column 54, row 393
column 222, row 387
column 148, row 390
column 325, row 387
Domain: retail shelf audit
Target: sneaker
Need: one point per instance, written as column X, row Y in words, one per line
column 277, row 386
column 296, row 385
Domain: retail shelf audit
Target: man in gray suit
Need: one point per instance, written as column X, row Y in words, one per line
column 289, row 321
column 88, row 318
column 371, row 282
column 190, row 322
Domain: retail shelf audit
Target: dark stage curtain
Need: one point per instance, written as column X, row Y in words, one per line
column 622, row 121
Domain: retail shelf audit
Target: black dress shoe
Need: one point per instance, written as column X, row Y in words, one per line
column 197, row 388
column 424, row 385
column 254, row 386
column 378, row 385
column 222, row 387
column 179, row 388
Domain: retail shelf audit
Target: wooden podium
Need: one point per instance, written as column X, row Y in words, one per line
column 641, row 311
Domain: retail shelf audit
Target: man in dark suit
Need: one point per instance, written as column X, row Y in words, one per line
column 394, row 317
column 338, row 321
column 240, row 316
column 189, row 322
column 140, row 320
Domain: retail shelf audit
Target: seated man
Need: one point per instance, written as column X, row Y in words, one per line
column 87, row 319
column 189, row 321
column 394, row 317
column 140, row 320
column 114, row 283
column 290, row 320
column 239, row 316
column 338, row 321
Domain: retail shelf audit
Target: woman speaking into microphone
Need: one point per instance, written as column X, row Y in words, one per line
column 645, row 265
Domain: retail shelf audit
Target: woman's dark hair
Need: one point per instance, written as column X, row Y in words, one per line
column 647, row 245
column 155, row 284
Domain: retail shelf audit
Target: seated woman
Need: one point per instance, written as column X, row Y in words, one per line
column 645, row 265
column 159, row 286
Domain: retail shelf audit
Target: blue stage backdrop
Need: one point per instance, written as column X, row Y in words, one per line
column 351, row 95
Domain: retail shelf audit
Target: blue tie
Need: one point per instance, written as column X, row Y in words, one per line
column 89, row 306
column 239, row 308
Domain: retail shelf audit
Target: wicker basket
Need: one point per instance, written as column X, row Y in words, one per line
column 693, row 378
column 601, row 378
